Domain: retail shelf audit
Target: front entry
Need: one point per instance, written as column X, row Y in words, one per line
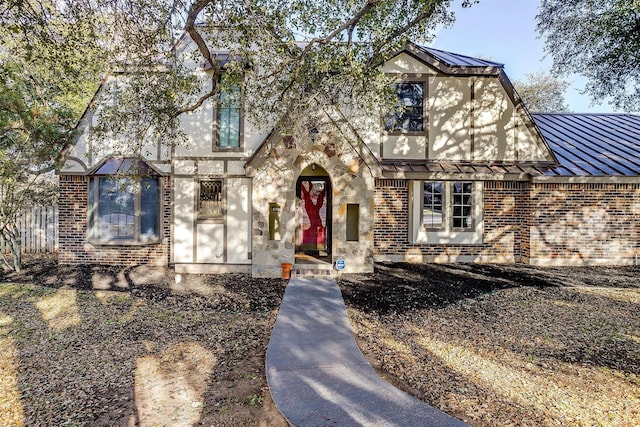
column 313, row 231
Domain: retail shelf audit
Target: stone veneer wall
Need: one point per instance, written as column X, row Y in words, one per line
column 584, row 223
column 274, row 181
column 73, row 247
column 505, row 235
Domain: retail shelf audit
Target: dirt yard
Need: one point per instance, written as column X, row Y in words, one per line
column 492, row 345
column 511, row 345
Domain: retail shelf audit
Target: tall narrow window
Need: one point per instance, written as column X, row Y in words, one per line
column 432, row 205
column 228, row 115
column 210, row 199
column 353, row 222
column 462, row 215
column 408, row 114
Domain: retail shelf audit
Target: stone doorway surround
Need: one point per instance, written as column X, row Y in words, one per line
column 275, row 169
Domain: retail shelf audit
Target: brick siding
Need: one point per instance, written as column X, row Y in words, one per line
column 73, row 245
column 541, row 223
column 585, row 223
column 505, row 204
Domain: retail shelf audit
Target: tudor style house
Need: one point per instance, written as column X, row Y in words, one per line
column 462, row 173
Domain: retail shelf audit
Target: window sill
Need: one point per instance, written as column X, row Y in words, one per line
column 404, row 133
column 124, row 242
column 210, row 220
column 228, row 150
column 451, row 237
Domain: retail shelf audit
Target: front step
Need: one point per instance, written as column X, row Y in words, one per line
column 313, row 270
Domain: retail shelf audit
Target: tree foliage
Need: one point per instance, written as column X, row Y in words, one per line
column 543, row 93
column 599, row 39
column 44, row 86
column 294, row 60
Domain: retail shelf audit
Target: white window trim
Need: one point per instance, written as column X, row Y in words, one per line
column 418, row 233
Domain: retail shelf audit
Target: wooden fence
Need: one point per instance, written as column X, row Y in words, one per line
column 38, row 230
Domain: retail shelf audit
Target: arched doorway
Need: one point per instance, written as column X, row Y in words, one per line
column 313, row 231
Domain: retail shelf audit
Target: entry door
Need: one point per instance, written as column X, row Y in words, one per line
column 313, row 231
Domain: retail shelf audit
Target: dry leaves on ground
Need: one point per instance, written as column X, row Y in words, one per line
column 510, row 345
column 95, row 345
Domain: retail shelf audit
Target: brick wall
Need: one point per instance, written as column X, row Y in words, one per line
column 540, row 223
column 584, row 223
column 73, row 245
column 505, row 236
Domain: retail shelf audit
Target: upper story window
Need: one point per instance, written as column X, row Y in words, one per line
column 408, row 114
column 123, row 209
column 228, row 115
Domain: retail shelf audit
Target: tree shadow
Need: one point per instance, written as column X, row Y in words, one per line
column 401, row 286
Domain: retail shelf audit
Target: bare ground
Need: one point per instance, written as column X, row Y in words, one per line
column 505, row 345
column 493, row 345
column 108, row 346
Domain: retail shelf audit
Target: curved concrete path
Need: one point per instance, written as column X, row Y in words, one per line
column 318, row 376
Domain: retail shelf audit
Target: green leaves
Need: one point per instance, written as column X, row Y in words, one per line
column 599, row 40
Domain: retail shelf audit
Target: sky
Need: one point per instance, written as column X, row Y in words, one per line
column 504, row 31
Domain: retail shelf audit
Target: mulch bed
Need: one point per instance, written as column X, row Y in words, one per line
column 505, row 345
column 110, row 346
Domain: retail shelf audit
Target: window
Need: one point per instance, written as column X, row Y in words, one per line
column 462, row 205
column 228, row 115
column 210, row 199
column 432, row 205
column 408, row 115
column 446, row 212
column 353, row 222
column 124, row 209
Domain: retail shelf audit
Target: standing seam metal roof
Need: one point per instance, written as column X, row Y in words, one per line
column 457, row 60
column 592, row 144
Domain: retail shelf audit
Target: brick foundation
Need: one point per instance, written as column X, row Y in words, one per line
column 73, row 247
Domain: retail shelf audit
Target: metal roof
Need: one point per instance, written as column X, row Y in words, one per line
column 457, row 60
column 431, row 166
column 592, row 144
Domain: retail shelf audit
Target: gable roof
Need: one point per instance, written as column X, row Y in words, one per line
column 454, row 63
column 456, row 60
column 592, row 144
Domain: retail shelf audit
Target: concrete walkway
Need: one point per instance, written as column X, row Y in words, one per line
column 318, row 376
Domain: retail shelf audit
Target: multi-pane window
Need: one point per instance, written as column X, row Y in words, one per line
column 228, row 115
column 462, row 204
column 124, row 209
column 408, row 114
column 457, row 206
column 432, row 205
column 210, row 199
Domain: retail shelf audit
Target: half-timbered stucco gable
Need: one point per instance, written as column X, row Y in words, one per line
column 467, row 111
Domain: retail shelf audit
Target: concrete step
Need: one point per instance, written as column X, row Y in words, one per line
column 313, row 270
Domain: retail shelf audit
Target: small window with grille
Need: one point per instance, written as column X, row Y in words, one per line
column 210, row 199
